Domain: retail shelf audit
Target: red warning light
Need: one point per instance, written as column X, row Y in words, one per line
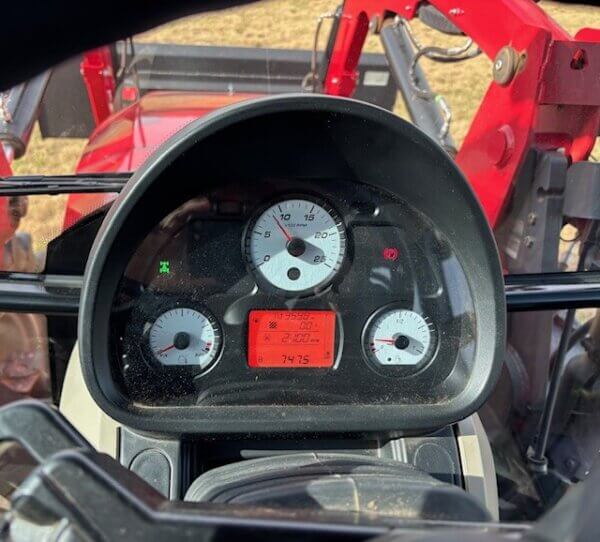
column 391, row 254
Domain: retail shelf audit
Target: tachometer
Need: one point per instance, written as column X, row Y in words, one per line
column 296, row 245
column 184, row 336
column 399, row 337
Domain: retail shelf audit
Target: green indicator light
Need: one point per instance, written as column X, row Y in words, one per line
column 164, row 268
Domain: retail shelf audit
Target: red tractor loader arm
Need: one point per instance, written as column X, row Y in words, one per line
column 545, row 92
column 6, row 228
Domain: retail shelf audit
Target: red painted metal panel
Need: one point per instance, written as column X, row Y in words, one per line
column 7, row 229
column 124, row 140
column 98, row 76
column 571, row 74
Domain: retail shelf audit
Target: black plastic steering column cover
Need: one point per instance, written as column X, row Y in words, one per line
column 373, row 147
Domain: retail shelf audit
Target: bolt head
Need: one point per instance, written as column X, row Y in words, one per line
column 506, row 65
column 500, row 145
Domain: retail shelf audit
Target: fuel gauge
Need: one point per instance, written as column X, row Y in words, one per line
column 398, row 337
column 184, row 336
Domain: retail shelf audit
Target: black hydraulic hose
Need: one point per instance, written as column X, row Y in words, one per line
column 425, row 112
column 538, row 456
column 576, row 336
column 539, row 450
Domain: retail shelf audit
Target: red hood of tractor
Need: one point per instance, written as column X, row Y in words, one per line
column 124, row 140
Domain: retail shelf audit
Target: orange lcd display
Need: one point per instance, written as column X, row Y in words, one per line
column 291, row 339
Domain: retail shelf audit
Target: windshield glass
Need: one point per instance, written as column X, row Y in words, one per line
column 106, row 111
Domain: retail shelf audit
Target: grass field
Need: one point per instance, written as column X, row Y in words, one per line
column 280, row 24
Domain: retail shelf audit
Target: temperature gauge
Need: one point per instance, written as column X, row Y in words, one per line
column 185, row 336
column 399, row 337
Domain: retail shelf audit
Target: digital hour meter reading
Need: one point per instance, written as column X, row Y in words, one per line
column 291, row 339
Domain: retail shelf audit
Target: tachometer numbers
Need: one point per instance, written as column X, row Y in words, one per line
column 296, row 245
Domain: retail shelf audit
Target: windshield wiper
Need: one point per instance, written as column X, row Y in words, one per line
column 27, row 185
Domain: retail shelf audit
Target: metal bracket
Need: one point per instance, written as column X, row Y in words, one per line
column 530, row 236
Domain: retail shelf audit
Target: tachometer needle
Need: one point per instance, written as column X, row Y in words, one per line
column 386, row 341
column 165, row 350
column 283, row 230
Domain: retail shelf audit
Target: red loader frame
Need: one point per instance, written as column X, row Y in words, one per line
column 550, row 101
column 6, row 228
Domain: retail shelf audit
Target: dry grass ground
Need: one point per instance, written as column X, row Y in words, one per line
column 280, row 24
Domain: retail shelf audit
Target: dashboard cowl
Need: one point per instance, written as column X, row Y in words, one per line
column 299, row 136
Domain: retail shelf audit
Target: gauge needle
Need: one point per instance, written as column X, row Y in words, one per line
column 165, row 349
column 386, row 341
column 283, row 230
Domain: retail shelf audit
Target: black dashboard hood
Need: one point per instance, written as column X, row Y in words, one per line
column 347, row 136
column 39, row 34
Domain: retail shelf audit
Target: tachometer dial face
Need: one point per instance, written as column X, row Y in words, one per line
column 399, row 337
column 296, row 245
column 185, row 336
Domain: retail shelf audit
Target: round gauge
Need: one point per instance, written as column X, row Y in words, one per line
column 296, row 245
column 398, row 337
column 185, row 336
